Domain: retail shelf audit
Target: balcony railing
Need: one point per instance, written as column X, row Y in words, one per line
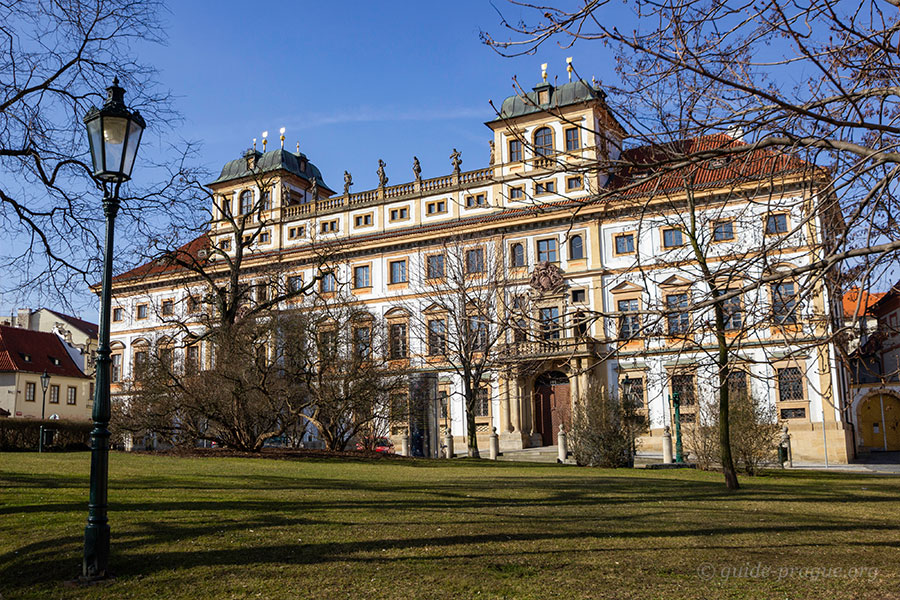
column 549, row 348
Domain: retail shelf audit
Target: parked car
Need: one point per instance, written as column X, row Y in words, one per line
column 382, row 444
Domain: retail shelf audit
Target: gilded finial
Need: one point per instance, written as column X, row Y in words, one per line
column 544, row 72
column 281, row 131
column 254, row 143
column 569, row 67
column 298, row 147
column 265, row 135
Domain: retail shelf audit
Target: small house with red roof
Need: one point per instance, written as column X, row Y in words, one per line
column 25, row 355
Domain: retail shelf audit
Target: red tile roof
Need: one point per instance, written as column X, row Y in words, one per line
column 858, row 302
column 35, row 352
column 740, row 166
column 188, row 252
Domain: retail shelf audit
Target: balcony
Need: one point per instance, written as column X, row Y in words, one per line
column 551, row 348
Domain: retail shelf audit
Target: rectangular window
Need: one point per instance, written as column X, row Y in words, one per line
column 515, row 150
column 296, row 232
column 115, row 368
column 362, row 220
column 436, row 207
column 476, row 200
column 516, row 193
column 633, row 391
column 71, row 395
column 328, row 282
column 29, row 391
column 435, row 266
column 737, row 383
column 264, row 237
column 54, row 391
column 776, row 224
column 545, row 187
column 672, row 238
column 399, row 214
column 168, row 308
column 361, row 277
column 574, row 183
column 294, row 283
column 362, row 342
column 225, row 244
column 678, row 318
column 683, row 387
column 475, row 261
column 549, row 317
column 398, row 271
column 629, row 324
column 784, row 303
column 793, row 413
column 790, row 385
column 546, row 250
column 573, row 141
column 579, row 296
column 483, row 402
column 723, row 231
column 118, row 314
column 143, row 311
column 262, row 292
column 624, row 243
column 329, row 226
column 478, row 333
column 192, row 359
column 734, row 317
column 266, row 200
column 397, row 340
column 437, row 337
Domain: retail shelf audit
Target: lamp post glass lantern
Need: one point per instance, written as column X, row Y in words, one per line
column 45, row 383
column 114, row 134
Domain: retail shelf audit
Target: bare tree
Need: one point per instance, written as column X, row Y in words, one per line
column 57, row 61
column 465, row 320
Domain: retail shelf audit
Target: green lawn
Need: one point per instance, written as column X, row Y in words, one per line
column 203, row 528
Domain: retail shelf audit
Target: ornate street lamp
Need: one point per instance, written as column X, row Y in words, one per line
column 45, row 383
column 114, row 134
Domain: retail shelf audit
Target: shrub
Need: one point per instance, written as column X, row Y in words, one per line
column 754, row 434
column 23, row 434
column 604, row 430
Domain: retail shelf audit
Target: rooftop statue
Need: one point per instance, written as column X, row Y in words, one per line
column 382, row 177
column 348, row 181
column 455, row 160
column 417, row 168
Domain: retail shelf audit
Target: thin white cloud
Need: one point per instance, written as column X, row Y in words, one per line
column 366, row 114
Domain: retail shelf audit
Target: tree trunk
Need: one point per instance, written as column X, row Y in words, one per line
column 731, row 480
column 471, row 434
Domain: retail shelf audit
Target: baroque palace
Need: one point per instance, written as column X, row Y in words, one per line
column 599, row 248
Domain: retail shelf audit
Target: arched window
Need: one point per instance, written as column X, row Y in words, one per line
column 576, row 247
column 543, row 142
column 517, row 255
column 246, row 202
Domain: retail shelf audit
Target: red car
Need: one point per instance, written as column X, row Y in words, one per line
column 383, row 445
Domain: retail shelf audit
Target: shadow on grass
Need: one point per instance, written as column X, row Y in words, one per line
column 550, row 506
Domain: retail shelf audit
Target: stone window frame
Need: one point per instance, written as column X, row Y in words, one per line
column 686, row 409
column 662, row 237
column 362, row 265
column 359, row 220
column 428, row 275
column 545, row 187
column 615, row 236
column 574, row 183
column 138, row 309
column 777, row 367
column 537, row 247
column 53, row 396
column 577, row 138
column 777, row 213
column 436, row 207
column 399, row 214
column 471, row 201
column 714, row 225
column 392, row 284
column 628, row 291
column 296, row 232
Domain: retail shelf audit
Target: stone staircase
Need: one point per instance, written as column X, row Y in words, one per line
column 542, row 454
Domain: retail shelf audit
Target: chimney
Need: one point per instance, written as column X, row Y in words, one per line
column 23, row 318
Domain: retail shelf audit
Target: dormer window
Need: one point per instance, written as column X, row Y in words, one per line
column 25, row 357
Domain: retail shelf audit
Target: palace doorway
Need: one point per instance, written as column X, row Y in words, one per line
column 552, row 405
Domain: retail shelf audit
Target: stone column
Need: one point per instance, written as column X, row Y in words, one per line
column 505, row 420
column 495, row 444
column 516, row 405
column 404, row 444
column 667, row 446
column 448, row 443
column 561, row 444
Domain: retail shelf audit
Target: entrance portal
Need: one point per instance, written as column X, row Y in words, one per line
column 552, row 405
column 879, row 422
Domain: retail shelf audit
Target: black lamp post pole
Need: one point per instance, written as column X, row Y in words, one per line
column 96, row 533
column 45, row 381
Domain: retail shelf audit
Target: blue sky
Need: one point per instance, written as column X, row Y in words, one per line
column 352, row 82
